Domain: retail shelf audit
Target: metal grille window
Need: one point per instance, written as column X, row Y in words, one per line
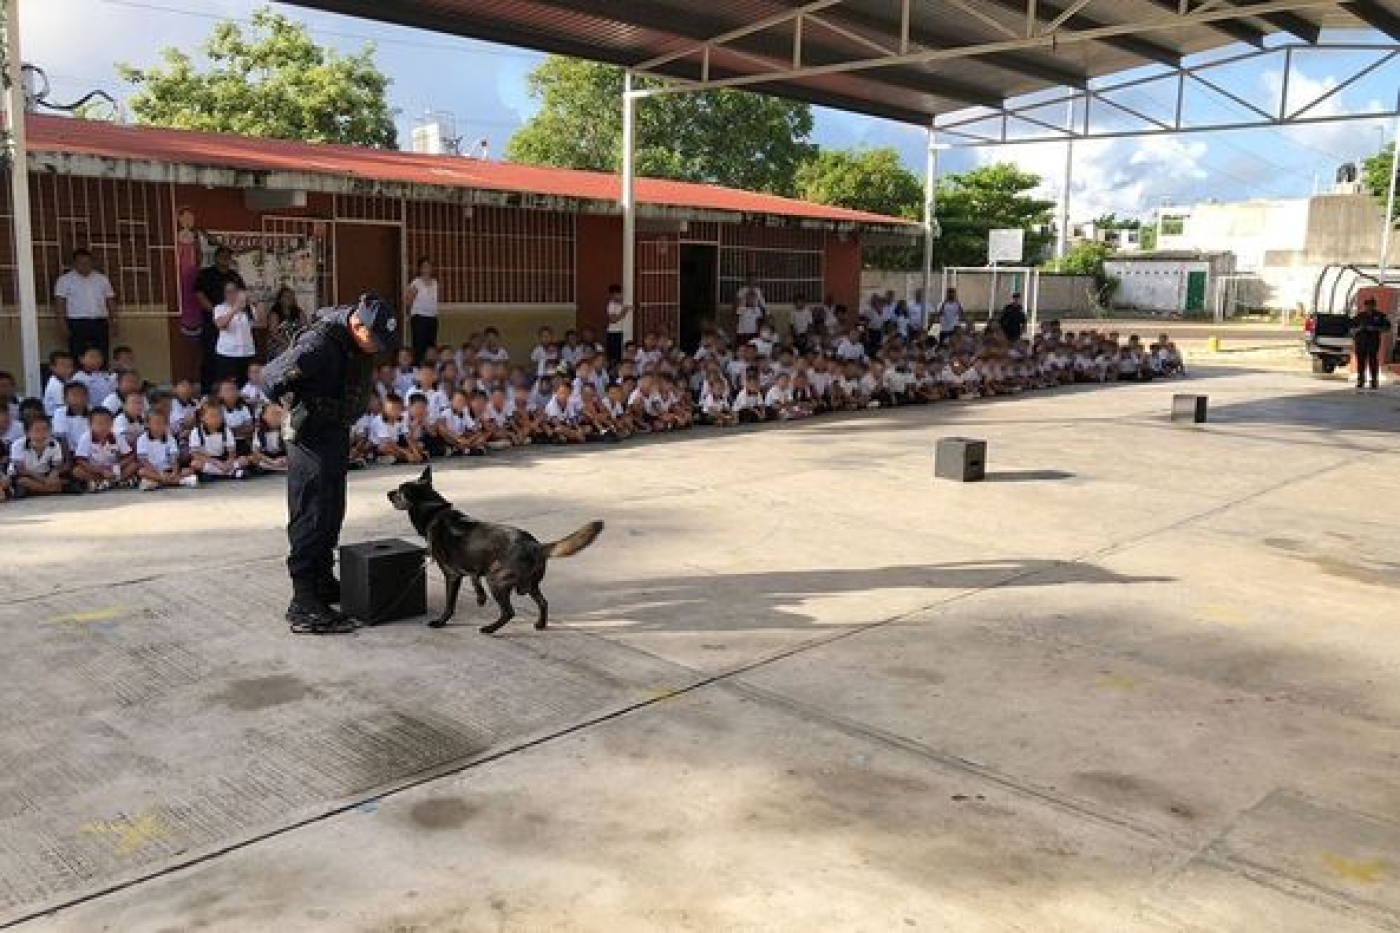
column 128, row 226
column 786, row 262
column 494, row 255
column 658, row 288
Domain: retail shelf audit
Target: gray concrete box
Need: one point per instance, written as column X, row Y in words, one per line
column 1190, row 408
column 960, row 458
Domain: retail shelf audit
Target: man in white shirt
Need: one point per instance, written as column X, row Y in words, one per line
column 918, row 315
column 950, row 315
column 87, row 306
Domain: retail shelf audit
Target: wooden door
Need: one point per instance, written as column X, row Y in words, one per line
column 368, row 259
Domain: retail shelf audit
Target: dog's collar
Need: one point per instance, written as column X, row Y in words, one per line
column 440, row 509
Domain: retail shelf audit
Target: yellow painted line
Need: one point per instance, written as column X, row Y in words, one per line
column 1361, row 871
column 1119, row 682
column 94, row 615
column 130, row 834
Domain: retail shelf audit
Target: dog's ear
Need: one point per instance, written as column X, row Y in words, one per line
column 427, row 478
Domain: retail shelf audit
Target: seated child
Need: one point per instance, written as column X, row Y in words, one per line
column 37, row 461
column 422, row 428
column 102, row 458
column 778, row 402
column 131, row 420
column 562, row 417
column 405, row 374
column 127, row 383
column 616, row 404
column 458, row 429
column 252, row 392
column 715, row 408
column 595, row 416
column 529, row 419
column 269, row 447
column 213, row 449
column 158, row 457
column 99, row 382
column 184, row 409
column 70, row 421
column 61, row 368
column 675, row 411
column 644, row 406
column 748, row 403
column 362, row 451
column 389, row 434
column 239, row 417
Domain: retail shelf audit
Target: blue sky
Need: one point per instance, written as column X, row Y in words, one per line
column 77, row 42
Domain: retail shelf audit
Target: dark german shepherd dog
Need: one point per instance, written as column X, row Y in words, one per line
column 509, row 559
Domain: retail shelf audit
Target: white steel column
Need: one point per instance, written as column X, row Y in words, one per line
column 19, row 198
column 1389, row 224
column 629, row 202
column 930, row 218
column 1062, row 235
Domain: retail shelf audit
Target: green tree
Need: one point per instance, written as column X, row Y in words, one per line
column 973, row 203
column 268, row 80
column 872, row 180
column 1376, row 175
column 722, row 137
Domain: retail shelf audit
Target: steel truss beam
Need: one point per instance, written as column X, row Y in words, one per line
column 1006, row 126
column 1042, row 40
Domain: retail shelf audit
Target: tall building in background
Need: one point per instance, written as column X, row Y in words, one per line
column 435, row 133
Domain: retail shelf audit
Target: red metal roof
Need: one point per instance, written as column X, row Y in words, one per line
column 214, row 150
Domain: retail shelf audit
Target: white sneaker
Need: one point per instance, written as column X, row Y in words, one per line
column 190, row 482
column 149, row 485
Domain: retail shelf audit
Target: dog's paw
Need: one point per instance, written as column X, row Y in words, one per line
column 437, row 623
column 541, row 626
column 489, row 629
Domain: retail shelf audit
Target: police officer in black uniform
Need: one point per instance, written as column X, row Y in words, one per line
column 1367, row 329
column 324, row 379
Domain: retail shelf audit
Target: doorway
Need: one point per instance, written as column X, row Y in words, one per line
column 699, row 274
column 368, row 259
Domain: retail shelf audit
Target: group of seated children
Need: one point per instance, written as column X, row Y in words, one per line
column 96, row 429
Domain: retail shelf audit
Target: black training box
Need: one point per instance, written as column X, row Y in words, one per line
column 382, row 581
column 960, row 458
column 1190, row 408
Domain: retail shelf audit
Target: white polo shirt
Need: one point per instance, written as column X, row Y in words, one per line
column 425, row 297
column 236, row 337
column 42, row 462
column 160, row 453
column 86, row 295
column 102, row 454
column 216, row 444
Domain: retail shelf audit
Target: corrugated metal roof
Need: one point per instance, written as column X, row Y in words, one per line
column 1119, row 35
column 62, row 136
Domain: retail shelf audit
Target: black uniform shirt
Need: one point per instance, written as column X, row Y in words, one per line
column 326, row 371
column 1367, row 327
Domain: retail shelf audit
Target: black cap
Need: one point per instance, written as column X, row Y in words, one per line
column 378, row 315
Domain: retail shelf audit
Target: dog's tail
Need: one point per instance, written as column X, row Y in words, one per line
column 575, row 542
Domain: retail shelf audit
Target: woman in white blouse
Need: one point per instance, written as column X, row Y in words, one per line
column 235, row 319
column 422, row 304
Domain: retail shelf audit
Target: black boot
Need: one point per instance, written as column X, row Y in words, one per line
column 328, row 588
column 308, row 613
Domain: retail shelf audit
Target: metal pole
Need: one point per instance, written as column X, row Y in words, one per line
column 1062, row 237
column 1389, row 223
column 930, row 219
column 629, row 203
column 19, row 197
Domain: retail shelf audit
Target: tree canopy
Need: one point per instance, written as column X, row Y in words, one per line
column 971, row 204
column 1376, row 175
column 862, row 179
column 269, row 79
column 722, row 137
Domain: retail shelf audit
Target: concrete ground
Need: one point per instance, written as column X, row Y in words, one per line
column 1146, row 677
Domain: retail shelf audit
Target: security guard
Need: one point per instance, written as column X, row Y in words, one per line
column 1368, row 328
column 324, row 379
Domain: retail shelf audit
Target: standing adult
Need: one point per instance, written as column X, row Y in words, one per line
column 949, row 315
column 285, row 319
column 618, row 315
column 325, row 381
column 235, row 317
column 209, row 288
column 87, row 306
column 422, row 303
column 1368, row 328
column 918, row 316
column 1012, row 319
column 749, row 313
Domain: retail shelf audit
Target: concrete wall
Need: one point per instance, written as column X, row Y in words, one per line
column 1059, row 294
column 1249, row 229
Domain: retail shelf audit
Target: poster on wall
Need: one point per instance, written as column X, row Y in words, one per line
column 266, row 261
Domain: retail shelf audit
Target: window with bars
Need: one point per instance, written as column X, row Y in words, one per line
column 128, row 226
column 785, row 262
column 493, row 255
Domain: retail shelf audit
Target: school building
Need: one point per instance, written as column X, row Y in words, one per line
column 515, row 246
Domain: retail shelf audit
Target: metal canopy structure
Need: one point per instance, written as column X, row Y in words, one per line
column 907, row 60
